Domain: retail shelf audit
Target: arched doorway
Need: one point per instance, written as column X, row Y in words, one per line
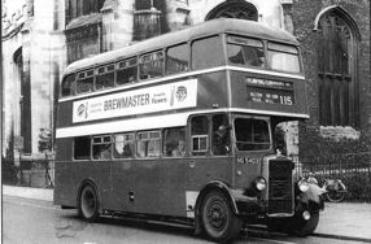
column 338, row 39
column 239, row 9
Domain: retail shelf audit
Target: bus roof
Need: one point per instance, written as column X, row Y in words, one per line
column 216, row 26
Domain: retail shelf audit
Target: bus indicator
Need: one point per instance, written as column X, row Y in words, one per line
column 269, row 96
column 269, row 91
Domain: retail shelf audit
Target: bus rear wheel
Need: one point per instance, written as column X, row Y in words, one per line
column 218, row 220
column 88, row 203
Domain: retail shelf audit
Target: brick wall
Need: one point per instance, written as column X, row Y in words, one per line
column 304, row 13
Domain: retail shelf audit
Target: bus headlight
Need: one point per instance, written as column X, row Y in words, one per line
column 303, row 186
column 260, row 184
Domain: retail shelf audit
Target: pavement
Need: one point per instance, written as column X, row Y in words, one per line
column 345, row 221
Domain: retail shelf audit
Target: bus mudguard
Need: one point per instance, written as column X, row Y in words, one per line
column 312, row 197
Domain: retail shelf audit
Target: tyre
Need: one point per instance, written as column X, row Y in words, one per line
column 301, row 227
column 88, row 203
column 219, row 222
column 335, row 196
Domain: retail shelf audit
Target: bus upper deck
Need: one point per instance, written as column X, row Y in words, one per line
column 228, row 64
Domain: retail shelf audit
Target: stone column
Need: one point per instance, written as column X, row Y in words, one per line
column 291, row 128
column 147, row 23
column 287, row 15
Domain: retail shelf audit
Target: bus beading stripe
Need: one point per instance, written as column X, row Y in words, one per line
column 151, row 122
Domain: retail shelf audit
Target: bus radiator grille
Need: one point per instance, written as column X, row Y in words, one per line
column 280, row 191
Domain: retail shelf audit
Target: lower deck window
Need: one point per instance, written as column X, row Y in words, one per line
column 82, row 147
column 174, row 142
column 124, row 145
column 200, row 144
column 148, row 144
column 251, row 134
column 200, row 135
column 102, row 147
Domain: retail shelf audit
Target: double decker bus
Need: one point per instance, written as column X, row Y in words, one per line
column 180, row 127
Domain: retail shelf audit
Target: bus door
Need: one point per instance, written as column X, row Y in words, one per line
column 210, row 152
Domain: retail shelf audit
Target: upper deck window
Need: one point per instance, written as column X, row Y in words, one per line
column 177, row 59
column 85, row 81
column 127, row 71
column 283, row 57
column 251, row 134
column 207, row 52
column 245, row 51
column 67, row 85
column 151, row 65
column 105, row 77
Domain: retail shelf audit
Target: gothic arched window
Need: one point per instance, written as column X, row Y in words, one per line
column 77, row 8
column 234, row 9
column 337, row 66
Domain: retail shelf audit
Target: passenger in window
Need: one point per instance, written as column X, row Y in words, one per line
column 127, row 151
column 102, row 151
column 131, row 79
column 179, row 151
column 221, row 140
column 106, row 152
column 253, row 56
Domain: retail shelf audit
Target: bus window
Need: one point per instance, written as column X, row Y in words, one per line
column 102, row 147
column 105, row 77
column 151, row 65
column 177, row 59
column 82, row 147
column 283, row 57
column 67, row 85
column 245, row 51
column 127, row 71
column 207, row 53
column 174, row 142
column 148, row 144
column 251, row 134
column 85, row 81
column 221, row 135
column 124, row 145
column 199, row 133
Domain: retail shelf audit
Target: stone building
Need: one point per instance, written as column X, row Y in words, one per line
column 33, row 61
column 41, row 37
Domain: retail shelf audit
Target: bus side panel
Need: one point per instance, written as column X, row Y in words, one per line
column 202, row 170
column 64, row 114
column 212, row 90
column 160, row 186
column 70, row 174
column 62, row 189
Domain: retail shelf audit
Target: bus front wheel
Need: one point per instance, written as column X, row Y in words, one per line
column 88, row 203
column 218, row 220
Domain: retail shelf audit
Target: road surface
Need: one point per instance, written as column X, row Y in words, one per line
column 35, row 221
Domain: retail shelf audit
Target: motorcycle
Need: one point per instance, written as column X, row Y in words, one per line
column 334, row 189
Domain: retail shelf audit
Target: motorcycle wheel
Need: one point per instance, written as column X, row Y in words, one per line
column 335, row 196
